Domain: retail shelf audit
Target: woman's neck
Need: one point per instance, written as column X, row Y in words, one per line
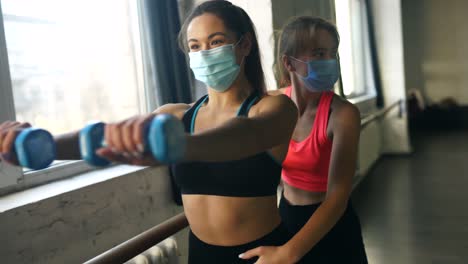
column 233, row 96
column 304, row 99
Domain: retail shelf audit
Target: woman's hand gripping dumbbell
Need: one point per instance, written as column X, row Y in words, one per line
column 147, row 140
column 20, row 144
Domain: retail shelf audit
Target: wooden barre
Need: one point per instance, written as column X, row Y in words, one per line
column 136, row 245
column 370, row 118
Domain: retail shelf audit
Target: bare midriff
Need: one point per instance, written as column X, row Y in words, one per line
column 230, row 221
column 296, row 196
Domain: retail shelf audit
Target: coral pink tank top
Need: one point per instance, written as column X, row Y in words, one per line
column 307, row 162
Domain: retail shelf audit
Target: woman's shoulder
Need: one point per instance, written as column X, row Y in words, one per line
column 344, row 112
column 177, row 110
column 270, row 103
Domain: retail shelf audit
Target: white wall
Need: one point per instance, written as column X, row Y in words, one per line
column 76, row 226
column 283, row 10
column 260, row 11
column 370, row 147
column 436, row 38
column 389, row 40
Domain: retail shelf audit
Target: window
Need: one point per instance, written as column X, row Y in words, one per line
column 69, row 60
column 354, row 50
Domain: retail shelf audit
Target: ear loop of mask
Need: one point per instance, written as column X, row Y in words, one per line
column 235, row 45
column 291, row 57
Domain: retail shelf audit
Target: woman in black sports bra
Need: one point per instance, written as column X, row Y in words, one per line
column 232, row 166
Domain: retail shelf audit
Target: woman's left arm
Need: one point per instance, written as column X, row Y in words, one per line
column 346, row 130
column 346, row 127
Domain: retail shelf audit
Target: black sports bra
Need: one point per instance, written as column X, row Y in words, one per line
column 254, row 176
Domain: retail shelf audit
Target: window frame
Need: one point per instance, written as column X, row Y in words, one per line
column 14, row 178
column 360, row 41
column 9, row 175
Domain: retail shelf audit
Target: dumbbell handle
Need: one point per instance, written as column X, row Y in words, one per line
column 91, row 138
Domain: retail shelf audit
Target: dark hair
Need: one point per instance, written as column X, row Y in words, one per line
column 236, row 20
column 295, row 38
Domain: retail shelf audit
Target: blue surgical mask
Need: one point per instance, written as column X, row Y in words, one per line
column 322, row 74
column 216, row 67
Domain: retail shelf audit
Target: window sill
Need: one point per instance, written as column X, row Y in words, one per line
column 35, row 194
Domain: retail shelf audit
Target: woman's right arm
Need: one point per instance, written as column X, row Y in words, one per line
column 270, row 125
column 67, row 144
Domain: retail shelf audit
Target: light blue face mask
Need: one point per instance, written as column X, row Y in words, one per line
column 216, row 67
column 322, row 74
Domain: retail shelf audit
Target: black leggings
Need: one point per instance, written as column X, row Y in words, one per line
column 343, row 244
column 203, row 253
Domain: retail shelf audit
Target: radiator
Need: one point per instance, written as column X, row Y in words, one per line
column 165, row 252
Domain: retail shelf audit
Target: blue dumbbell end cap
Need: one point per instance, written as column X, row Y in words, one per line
column 91, row 138
column 35, row 148
column 167, row 138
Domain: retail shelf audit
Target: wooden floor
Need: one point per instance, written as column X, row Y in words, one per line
column 414, row 208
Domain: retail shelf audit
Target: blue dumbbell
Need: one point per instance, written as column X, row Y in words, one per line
column 35, row 148
column 165, row 137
